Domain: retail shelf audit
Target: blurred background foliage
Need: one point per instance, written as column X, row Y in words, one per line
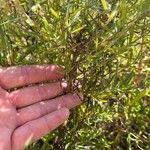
column 104, row 44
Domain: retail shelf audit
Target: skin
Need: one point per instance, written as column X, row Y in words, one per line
column 30, row 112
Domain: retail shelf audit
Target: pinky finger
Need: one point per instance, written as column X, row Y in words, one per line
column 34, row 130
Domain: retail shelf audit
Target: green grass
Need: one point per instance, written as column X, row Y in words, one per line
column 104, row 44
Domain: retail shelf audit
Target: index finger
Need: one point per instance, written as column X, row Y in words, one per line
column 17, row 76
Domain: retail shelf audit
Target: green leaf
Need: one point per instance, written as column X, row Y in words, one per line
column 78, row 29
column 29, row 21
column 75, row 17
column 54, row 13
column 145, row 7
column 96, row 42
column 123, row 10
column 104, row 4
column 45, row 22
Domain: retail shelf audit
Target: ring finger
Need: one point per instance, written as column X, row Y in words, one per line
column 45, row 107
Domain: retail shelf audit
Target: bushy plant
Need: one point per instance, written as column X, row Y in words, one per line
column 104, row 47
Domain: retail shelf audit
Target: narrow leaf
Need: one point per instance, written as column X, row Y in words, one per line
column 54, row 13
column 78, row 29
column 104, row 4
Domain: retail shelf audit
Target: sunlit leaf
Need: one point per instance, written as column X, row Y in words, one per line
column 54, row 13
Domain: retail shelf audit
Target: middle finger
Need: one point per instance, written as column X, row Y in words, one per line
column 30, row 95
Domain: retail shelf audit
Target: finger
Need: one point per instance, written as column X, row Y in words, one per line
column 42, row 108
column 3, row 93
column 23, row 75
column 34, row 130
column 34, row 94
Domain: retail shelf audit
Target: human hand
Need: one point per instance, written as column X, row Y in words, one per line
column 28, row 113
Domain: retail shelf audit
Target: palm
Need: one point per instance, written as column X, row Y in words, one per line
column 8, row 112
column 27, row 114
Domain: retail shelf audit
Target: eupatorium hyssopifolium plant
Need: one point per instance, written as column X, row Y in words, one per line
column 104, row 47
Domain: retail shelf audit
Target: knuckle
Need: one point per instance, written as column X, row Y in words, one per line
column 46, row 123
column 24, row 74
column 41, row 91
column 42, row 109
column 13, row 97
